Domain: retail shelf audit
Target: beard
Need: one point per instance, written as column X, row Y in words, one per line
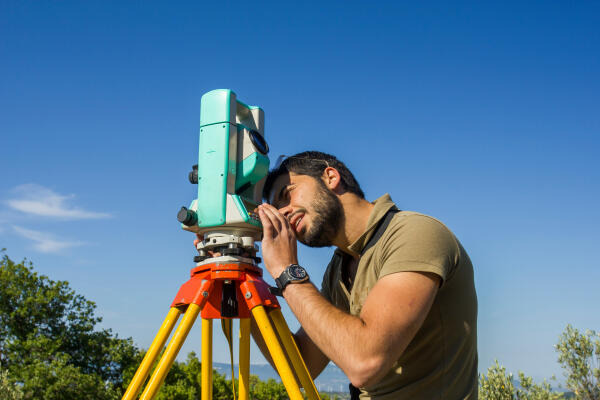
column 327, row 218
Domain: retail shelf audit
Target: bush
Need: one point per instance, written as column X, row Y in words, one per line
column 499, row 385
column 579, row 355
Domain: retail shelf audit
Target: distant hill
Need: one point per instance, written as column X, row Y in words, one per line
column 332, row 379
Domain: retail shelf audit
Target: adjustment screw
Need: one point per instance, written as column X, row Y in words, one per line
column 248, row 295
column 205, row 294
column 187, row 217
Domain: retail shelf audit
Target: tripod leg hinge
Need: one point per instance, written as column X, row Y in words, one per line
column 257, row 293
column 195, row 290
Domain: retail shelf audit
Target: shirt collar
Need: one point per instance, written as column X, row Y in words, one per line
column 382, row 206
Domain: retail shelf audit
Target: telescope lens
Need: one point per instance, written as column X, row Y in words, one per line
column 259, row 142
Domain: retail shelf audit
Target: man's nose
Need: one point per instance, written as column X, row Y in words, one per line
column 286, row 211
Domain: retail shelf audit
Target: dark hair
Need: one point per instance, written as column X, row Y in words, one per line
column 313, row 163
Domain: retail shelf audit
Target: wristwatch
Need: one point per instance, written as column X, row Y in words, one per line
column 292, row 274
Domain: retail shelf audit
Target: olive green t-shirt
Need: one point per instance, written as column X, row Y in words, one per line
column 441, row 360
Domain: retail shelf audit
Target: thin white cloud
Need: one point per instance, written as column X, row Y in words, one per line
column 45, row 242
column 39, row 200
column 3, row 223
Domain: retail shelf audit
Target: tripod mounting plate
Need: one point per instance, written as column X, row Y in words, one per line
column 225, row 260
column 223, row 239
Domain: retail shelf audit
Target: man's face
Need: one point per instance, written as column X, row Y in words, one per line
column 314, row 212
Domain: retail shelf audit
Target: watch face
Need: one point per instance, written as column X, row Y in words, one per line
column 297, row 272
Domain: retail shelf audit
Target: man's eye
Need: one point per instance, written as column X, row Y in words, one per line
column 284, row 199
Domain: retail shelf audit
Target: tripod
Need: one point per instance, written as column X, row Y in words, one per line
column 225, row 288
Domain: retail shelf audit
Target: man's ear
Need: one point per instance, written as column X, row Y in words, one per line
column 331, row 178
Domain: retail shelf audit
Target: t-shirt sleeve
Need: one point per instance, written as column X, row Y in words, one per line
column 418, row 243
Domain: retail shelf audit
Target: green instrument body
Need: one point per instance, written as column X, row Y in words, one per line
column 232, row 165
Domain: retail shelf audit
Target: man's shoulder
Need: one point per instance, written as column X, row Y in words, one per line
column 415, row 222
column 417, row 242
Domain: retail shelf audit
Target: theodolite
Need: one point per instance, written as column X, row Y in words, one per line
column 232, row 166
column 226, row 282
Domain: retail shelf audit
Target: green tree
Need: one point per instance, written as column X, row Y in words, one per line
column 499, row 385
column 271, row 389
column 49, row 342
column 532, row 391
column 8, row 390
column 183, row 380
column 579, row 355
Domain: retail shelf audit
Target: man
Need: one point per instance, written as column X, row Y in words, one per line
column 397, row 315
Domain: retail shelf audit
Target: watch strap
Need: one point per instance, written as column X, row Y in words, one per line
column 285, row 279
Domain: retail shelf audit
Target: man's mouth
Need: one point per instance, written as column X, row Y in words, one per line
column 296, row 220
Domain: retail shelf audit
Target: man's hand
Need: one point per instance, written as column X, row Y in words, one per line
column 200, row 238
column 279, row 246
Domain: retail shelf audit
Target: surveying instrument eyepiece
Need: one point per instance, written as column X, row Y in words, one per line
column 226, row 282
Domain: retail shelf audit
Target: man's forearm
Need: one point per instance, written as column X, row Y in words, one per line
column 339, row 335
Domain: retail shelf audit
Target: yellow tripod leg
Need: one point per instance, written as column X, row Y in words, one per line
column 155, row 348
column 206, row 385
column 166, row 361
column 244, row 366
column 281, row 363
column 294, row 354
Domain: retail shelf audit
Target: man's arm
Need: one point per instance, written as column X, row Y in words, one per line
column 313, row 357
column 365, row 347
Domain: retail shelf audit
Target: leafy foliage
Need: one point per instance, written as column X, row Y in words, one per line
column 579, row 355
column 8, row 390
column 499, row 385
column 48, row 340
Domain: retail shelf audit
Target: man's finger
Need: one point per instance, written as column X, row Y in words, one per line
column 266, row 223
column 280, row 217
column 272, row 217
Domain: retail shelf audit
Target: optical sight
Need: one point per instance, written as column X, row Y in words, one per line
column 230, row 174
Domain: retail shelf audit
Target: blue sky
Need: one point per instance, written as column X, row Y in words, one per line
column 484, row 115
